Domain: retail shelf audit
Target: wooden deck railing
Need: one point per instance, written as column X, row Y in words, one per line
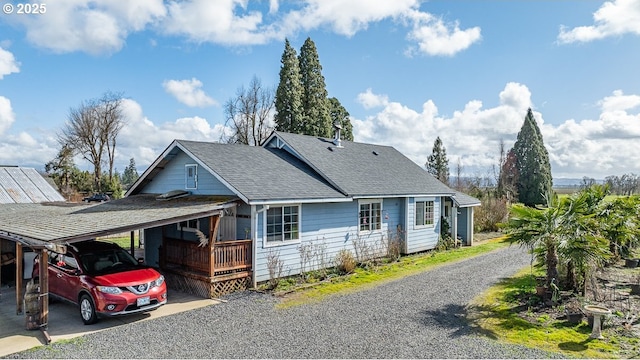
column 227, row 255
column 232, row 255
column 186, row 254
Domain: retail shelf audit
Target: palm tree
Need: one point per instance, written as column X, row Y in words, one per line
column 566, row 230
column 538, row 230
column 583, row 246
column 620, row 219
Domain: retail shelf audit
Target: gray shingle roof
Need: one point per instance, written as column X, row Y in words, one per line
column 62, row 222
column 360, row 169
column 464, row 200
column 262, row 174
column 20, row 185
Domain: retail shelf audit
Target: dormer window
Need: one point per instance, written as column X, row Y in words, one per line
column 191, row 176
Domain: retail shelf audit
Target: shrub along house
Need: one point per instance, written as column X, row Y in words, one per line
column 278, row 203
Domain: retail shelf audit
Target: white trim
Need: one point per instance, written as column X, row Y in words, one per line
column 225, row 183
column 266, row 244
column 415, row 211
column 370, row 201
column 358, row 197
column 153, row 165
column 187, row 228
column 186, row 176
column 299, row 201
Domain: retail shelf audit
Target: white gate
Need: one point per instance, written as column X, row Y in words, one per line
column 227, row 230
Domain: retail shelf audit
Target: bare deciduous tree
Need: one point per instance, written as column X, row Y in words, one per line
column 250, row 114
column 91, row 130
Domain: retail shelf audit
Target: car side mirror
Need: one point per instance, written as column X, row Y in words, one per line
column 140, row 261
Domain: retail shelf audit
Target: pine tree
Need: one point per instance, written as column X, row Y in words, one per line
column 532, row 164
column 315, row 105
column 130, row 174
column 340, row 115
column 288, row 103
column 437, row 163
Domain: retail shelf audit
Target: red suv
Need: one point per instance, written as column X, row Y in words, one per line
column 104, row 280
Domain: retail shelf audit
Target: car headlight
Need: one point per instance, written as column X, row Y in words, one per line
column 109, row 289
column 158, row 281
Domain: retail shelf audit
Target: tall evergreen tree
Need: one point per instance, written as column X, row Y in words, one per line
column 437, row 163
column 340, row 115
column 130, row 174
column 288, row 103
column 315, row 105
column 532, row 164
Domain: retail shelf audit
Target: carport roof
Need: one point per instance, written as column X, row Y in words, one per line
column 38, row 224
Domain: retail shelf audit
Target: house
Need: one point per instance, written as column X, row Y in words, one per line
column 294, row 196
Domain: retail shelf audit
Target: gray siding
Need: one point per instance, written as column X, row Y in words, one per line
column 332, row 226
column 172, row 177
column 463, row 224
column 422, row 238
column 152, row 243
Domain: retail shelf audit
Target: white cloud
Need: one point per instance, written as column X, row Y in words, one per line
column 613, row 18
column 7, row 117
column 595, row 148
column 102, row 27
column 145, row 149
column 436, row 38
column 619, row 101
column 216, row 22
column 188, row 92
column 33, row 149
column 8, row 63
column 370, row 100
column 95, row 27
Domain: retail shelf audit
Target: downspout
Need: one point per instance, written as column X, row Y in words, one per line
column 454, row 215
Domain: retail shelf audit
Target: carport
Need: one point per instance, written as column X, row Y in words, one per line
column 50, row 227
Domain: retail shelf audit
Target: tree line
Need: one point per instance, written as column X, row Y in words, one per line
column 300, row 104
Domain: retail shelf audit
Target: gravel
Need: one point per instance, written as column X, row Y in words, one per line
column 420, row 316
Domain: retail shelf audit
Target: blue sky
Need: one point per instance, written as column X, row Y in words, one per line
column 406, row 70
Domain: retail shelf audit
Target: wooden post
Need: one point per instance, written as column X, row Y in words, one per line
column 214, row 221
column 44, row 288
column 19, row 272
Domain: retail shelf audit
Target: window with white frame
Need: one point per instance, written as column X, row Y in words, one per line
column 425, row 213
column 189, row 225
column 283, row 223
column 370, row 215
column 191, row 176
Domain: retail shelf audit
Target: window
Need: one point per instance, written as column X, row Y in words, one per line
column 282, row 223
column 66, row 262
column 189, row 225
column 424, row 213
column 191, row 176
column 370, row 215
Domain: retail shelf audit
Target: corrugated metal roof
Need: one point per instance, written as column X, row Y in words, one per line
column 25, row 185
column 34, row 224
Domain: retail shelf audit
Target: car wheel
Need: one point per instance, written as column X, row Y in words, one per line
column 87, row 310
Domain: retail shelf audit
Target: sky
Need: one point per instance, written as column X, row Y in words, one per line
column 407, row 71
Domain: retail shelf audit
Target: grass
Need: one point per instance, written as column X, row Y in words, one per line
column 406, row 266
column 494, row 313
column 123, row 241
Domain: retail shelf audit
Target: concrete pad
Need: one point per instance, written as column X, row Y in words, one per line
column 65, row 321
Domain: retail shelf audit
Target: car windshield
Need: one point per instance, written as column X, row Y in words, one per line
column 106, row 261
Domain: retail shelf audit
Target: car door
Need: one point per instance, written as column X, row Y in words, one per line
column 63, row 276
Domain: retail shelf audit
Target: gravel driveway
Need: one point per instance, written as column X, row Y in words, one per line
column 421, row 316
